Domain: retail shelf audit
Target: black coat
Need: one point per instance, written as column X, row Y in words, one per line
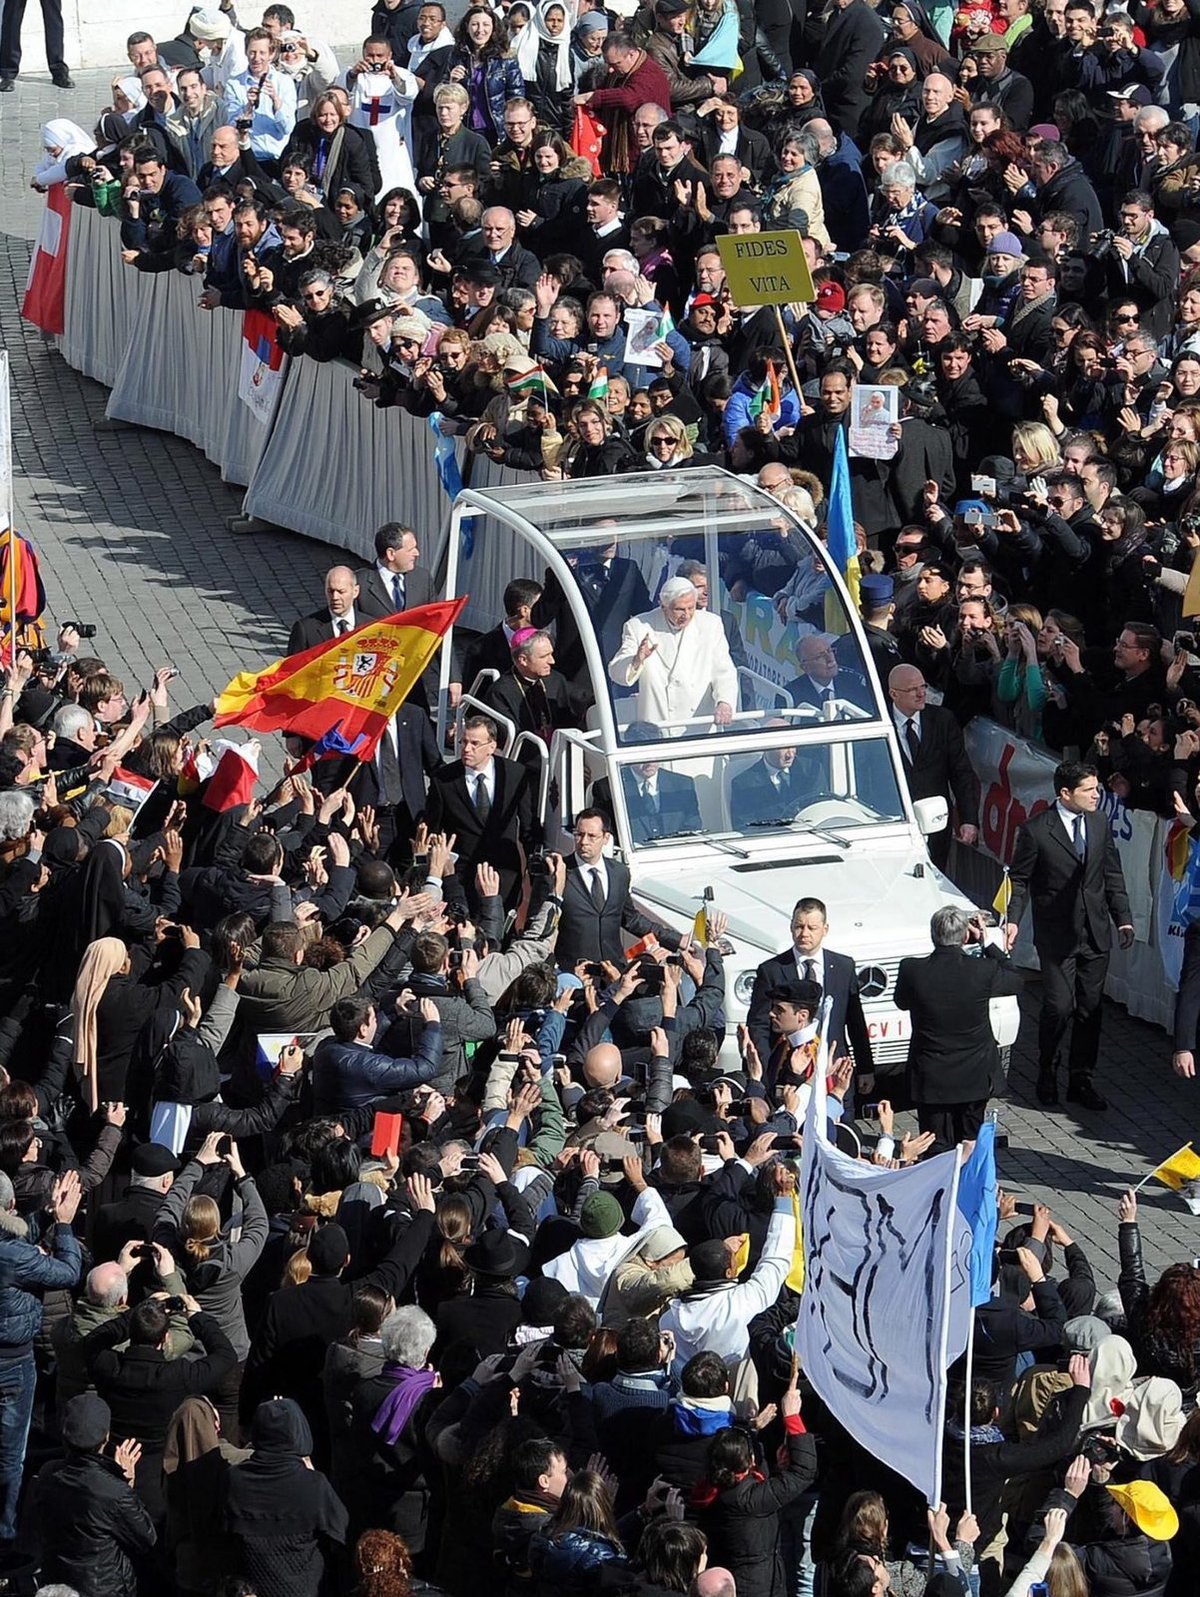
column 585, row 932
column 93, row 1528
column 952, row 1055
column 618, row 592
column 678, row 807
column 1069, row 897
column 511, row 823
column 741, row 1522
column 847, row 1023
column 941, row 768
column 132, row 1217
column 374, row 602
column 846, row 44
column 534, row 706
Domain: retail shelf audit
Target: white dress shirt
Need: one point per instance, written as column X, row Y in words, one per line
column 488, row 774
column 388, row 579
column 344, row 623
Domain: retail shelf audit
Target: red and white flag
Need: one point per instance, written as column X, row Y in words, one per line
column 261, row 376
column 232, row 783
column 130, row 788
column 46, row 290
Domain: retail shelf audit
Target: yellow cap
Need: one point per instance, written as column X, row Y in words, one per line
column 1149, row 1508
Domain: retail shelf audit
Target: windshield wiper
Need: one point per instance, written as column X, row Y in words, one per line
column 822, row 832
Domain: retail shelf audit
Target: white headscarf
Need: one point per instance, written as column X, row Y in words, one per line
column 530, row 41
column 68, row 139
column 131, row 88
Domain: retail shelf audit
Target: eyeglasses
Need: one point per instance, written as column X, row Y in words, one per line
column 314, row 294
column 1124, row 316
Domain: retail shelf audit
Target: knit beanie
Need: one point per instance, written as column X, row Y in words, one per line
column 601, row 1215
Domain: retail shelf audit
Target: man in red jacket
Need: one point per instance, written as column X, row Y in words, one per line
column 633, row 80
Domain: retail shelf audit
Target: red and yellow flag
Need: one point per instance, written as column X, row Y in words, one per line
column 356, row 682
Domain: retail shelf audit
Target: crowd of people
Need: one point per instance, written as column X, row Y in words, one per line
column 371, row 1220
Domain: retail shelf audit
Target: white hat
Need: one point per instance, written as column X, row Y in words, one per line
column 208, row 23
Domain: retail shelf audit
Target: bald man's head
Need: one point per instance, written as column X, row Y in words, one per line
column 341, row 590
column 713, row 1583
column 602, row 1065
column 107, row 1286
column 906, row 689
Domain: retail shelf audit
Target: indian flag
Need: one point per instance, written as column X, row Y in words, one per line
column 530, row 382
column 666, row 324
column 767, row 398
column 599, row 386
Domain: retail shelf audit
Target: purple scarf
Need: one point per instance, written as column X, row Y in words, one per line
column 394, row 1413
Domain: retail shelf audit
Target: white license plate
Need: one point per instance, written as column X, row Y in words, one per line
column 895, row 1028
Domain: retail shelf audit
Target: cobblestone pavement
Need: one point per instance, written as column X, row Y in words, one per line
column 130, row 525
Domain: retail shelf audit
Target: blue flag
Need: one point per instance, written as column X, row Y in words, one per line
column 334, row 743
column 977, row 1205
column 722, row 47
column 450, row 477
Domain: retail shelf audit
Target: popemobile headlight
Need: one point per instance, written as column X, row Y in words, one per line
column 743, row 986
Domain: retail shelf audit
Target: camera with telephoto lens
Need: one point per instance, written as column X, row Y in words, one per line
column 83, row 630
column 1102, row 242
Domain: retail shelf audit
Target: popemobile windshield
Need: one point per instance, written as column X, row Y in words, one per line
column 794, row 790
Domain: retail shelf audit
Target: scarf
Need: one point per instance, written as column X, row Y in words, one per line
column 394, row 1413
column 701, row 1416
column 981, row 1435
column 1026, row 307
column 417, row 52
column 532, row 39
column 102, row 961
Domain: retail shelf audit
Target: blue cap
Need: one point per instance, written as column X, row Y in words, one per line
column 568, row 982
column 877, row 589
column 964, row 505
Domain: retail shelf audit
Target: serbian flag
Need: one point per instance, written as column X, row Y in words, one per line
column 261, row 376
column 232, row 783
column 353, row 684
column 46, row 291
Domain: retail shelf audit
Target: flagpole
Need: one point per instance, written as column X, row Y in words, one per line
column 1160, row 1164
column 967, row 1412
column 788, row 356
column 944, row 1342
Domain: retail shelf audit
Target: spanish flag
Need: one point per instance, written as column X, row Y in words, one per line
column 355, row 683
column 1179, row 1169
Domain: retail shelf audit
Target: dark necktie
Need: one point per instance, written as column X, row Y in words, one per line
column 1080, row 838
column 391, row 785
column 912, row 738
column 810, row 970
column 483, row 804
column 342, row 626
column 398, row 591
column 597, row 888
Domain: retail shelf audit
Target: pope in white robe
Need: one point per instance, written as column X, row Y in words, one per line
column 678, row 659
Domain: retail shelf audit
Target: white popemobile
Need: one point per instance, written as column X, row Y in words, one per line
column 848, row 833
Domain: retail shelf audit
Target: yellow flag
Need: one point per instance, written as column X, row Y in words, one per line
column 1191, row 594
column 700, row 926
column 795, row 1276
column 1179, row 1169
column 1003, row 896
column 742, row 1256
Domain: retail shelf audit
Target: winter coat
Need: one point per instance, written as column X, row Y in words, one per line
column 25, row 1271
column 571, row 1563
column 742, row 1521
column 216, row 1282
column 1154, row 1356
column 502, row 81
column 92, row 1525
column 351, row 1075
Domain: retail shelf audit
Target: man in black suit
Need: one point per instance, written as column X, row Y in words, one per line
column 613, row 589
column 394, row 583
column 660, row 803
column 492, row 651
column 1065, row 863
column 596, row 903
column 340, row 615
column 769, row 792
column 934, row 757
column 487, row 802
column 823, row 678
column 393, row 781
column 132, row 1218
column 953, row 1061
column 808, row 960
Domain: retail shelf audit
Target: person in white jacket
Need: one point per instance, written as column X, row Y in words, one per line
column 677, row 657
column 714, row 1317
column 586, row 1266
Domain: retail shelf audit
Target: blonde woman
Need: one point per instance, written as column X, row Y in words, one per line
column 1034, row 449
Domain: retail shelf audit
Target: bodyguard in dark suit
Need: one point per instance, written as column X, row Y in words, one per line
column 393, row 783
column 953, row 1060
column 1065, row 864
column 396, row 582
column 769, row 791
column 492, row 651
column 808, row 960
column 596, row 905
column 613, row 589
column 1187, row 1006
column 487, row 802
column 660, row 803
column 339, row 616
column 934, row 757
